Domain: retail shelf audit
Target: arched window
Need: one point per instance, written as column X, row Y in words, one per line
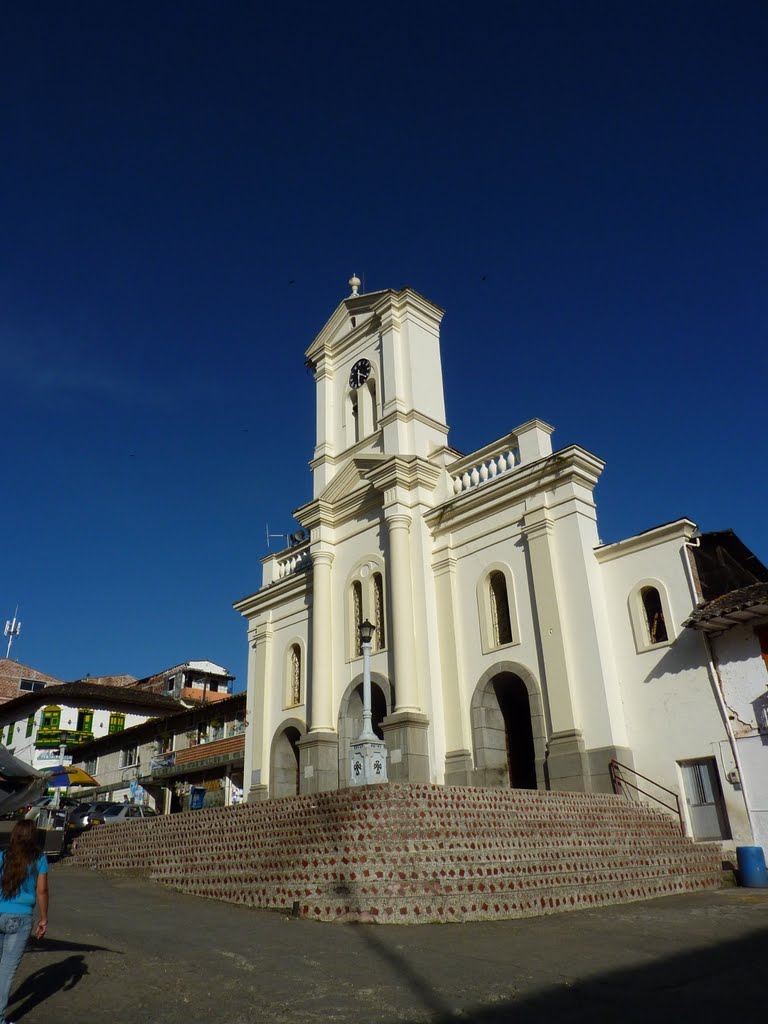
column 379, row 638
column 654, row 615
column 354, row 412
column 501, row 624
column 367, row 600
column 357, row 615
column 294, row 665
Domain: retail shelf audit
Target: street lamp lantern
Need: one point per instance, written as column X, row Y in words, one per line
column 366, row 630
column 368, row 755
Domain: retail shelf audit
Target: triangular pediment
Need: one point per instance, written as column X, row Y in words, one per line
column 358, row 307
column 352, row 478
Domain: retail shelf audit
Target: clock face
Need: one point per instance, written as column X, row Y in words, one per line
column 361, row 371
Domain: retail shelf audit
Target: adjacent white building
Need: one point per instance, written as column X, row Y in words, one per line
column 37, row 726
column 511, row 647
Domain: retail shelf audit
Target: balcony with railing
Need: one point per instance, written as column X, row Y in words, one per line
column 526, row 444
column 47, row 738
column 286, row 563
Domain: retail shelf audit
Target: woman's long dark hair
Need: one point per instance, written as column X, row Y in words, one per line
column 23, row 851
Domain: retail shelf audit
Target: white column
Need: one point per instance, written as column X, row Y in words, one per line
column 403, row 641
column 321, row 718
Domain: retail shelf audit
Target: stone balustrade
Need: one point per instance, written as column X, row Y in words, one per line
column 485, row 465
column 286, row 563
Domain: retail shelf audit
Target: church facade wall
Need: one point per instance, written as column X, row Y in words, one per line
column 517, row 648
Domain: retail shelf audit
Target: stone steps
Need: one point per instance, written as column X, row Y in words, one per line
column 414, row 853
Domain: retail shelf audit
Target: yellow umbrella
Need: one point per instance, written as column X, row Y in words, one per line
column 69, row 775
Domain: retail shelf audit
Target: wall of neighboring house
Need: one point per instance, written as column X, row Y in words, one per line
column 20, row 737
column 118, row 771
column 672, row 712
column 743, row 676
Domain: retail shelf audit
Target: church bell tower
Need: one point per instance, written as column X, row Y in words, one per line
column 379, row 380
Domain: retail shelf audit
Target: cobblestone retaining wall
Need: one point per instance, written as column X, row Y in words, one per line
column 414, row 853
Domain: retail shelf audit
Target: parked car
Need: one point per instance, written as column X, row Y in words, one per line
column 31, row 812
column 79, row 817
column 117, row 813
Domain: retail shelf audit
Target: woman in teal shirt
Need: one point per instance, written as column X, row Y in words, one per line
column 23, row 882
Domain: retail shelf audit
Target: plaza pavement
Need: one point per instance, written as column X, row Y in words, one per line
column 122, row 949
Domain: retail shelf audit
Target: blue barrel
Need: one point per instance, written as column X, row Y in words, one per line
column 751, row 861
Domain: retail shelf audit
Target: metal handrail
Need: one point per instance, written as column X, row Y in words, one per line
column 617, row 781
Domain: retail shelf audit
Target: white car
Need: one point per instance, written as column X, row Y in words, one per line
column 116, row 813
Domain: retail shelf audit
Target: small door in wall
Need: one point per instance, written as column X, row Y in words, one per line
column 704, row 797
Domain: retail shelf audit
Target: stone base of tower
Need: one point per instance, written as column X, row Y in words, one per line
column 567, row 762
column 318, row 762
column 405, row 733
column 459, row 769
column 572, row 768
column 257, row 793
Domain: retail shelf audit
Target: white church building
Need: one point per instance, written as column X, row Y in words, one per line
column 511, row 647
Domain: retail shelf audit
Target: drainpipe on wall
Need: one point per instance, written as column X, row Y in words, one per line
column 717, row 689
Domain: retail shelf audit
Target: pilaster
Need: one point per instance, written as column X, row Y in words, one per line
column 320, row 689
column 255, row 766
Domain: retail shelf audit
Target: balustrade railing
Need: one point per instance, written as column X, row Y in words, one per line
column 294, row 560
column 484, row 465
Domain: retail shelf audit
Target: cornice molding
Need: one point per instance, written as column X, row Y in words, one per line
column 408, row 472
column 680, row 530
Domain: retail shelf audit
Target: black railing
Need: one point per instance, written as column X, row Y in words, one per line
column 620, row 784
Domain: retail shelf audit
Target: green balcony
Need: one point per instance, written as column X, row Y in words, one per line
column 47, row 738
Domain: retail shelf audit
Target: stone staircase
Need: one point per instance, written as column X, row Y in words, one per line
column 414, row 853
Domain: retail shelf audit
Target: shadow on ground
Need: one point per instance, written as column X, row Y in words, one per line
column 45, row 982
column 713, row 983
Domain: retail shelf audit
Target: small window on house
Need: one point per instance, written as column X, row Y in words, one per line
column 170, row 685
column 501, row 624
column 164, row 743
column 128, row 757
column 85, row 720
column 294, row 669
column 116, row 722
column 379, row 637
column 30, row 725
column 202, row 733
column 51, row 717
column 31, row 685
column 357, row 616
column 654, row 615
column 91, row 765
column 11, row 729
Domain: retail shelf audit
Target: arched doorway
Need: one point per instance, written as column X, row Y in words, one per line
column 284, row 774
column 508, row 732
column 351, row 717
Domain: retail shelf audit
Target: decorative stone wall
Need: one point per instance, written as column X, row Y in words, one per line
column 414, row 853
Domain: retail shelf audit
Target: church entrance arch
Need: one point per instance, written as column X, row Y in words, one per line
column 508, row 731
column 284, row 763
column 351, row 716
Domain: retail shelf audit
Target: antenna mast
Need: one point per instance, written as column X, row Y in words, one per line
column 12, row 629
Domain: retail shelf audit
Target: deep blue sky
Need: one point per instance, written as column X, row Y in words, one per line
column 186, row 189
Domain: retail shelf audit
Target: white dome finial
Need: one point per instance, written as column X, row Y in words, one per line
column 354, row 284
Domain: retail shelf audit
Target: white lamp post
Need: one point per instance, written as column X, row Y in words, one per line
column 368, row 754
